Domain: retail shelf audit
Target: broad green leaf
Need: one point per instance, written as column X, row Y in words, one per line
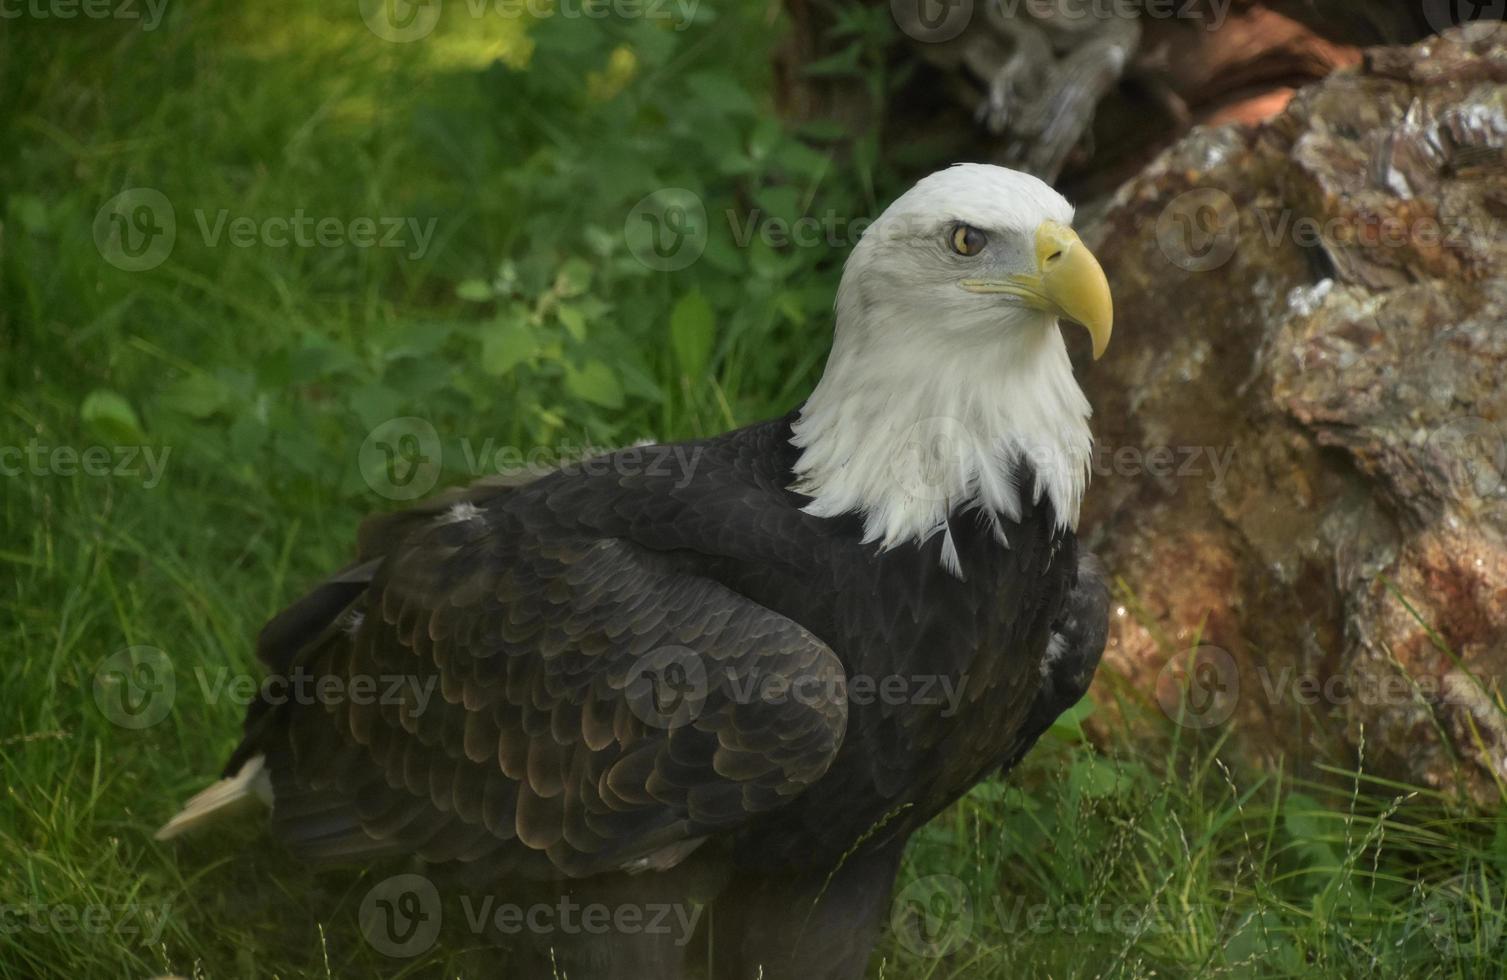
column 474, row 291
column 112, row 417
column 1303, row 818
column 781, row 204
column 722, row 93
column 600, row 240
column 844, row 62
column 1092, row 778
column 594, row 382
column 196, row 395
column 573, row 320
column 420, row 376
column 574, row 277
column 692, row 330
column 419, row 339
column 637, row 380
column 506, row 343
column 375, row 403
column 246, row 437
column 796, row 157
column 789, row 304
column 1069, row 724
column 297, row 445
column 31, row 211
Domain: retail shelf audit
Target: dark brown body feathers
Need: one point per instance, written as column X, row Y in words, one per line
column 821, row 690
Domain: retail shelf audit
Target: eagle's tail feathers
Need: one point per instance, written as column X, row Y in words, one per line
column 251, row 784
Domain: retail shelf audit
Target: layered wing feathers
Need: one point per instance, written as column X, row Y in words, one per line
column 551, row 701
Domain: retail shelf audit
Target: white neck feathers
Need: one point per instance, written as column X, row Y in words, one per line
column 912, row 424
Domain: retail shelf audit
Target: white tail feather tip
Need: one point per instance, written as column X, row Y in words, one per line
column 252, row 783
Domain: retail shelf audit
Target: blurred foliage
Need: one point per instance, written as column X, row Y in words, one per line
column 527, row 320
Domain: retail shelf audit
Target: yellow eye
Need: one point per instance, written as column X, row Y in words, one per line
column 967, row 240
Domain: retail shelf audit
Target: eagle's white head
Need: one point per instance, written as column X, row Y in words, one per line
column 949, row 387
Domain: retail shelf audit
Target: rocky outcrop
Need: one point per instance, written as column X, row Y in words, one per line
column 1302, row 423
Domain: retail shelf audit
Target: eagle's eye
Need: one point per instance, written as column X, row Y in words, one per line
column 968, row 240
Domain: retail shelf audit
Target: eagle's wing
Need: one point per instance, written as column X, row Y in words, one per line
column 546, row 701
column 1072, row 655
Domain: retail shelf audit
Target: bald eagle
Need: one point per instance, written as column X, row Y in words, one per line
column 746, row 683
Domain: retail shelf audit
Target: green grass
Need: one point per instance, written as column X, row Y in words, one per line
column 261, row 370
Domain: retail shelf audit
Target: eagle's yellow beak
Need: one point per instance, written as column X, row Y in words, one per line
column 1069, row 282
